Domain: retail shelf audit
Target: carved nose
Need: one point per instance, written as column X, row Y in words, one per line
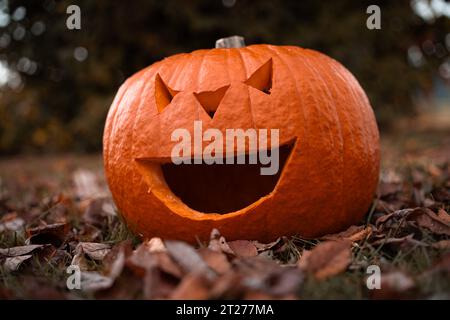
column 210, row 100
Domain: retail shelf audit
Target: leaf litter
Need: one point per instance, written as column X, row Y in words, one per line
column 409, row 220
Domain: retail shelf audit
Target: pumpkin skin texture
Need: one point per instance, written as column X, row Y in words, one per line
column 327, row 182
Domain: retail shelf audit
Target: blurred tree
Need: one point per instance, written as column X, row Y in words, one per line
column 62, row 81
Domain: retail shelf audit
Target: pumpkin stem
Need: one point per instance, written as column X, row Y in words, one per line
column 231, row 42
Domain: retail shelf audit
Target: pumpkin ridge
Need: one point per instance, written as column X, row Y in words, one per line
column 327, row 85
column 295, row 81
column 362, row 130
column 308, row 74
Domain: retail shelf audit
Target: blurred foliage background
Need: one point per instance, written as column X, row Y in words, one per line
column 56, row 84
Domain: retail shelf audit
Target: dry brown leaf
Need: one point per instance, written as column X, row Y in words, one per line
column 394, row 285
column 13, row 263
column 92, row 281
column 257, row 295
column 158, row 285
column 86, row 184
column 353, row 233
column 262, row 275
column 115, row 259
column 96, row 210
column 327, row 259
column 403, row 241
column 428, row 219
column 166, row 264
column 187, row 258
column 442, row 245
column 442, row 265
column 285, row 281
column 217, row 261
column 228, row 286
column 126, row 286
column 381, row 221
column 155, row 245
column 145, row 258
column 95, row 251
column 20, row 250
column 194, row 286
column 443, row 216
column 218, row 243
column 388, row 188
column 141, row 260
column 11, row 222
column 266, row 246
column 54, row 234
column 243, row 248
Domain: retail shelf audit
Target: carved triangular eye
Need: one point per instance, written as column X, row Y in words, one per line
column 210, row 100
column 261, row 79
column 163, row 94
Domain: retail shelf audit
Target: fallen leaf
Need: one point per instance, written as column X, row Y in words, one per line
column 428, row 219
column 187, row 258
column 99, row 209
column 143, row 259
column 6, row 294
column 95, row 251
column 89, row 233
column 54, row 234
column 229, row 285
column 158, row 285
column 243, row 248
column 353, row 233
column 403, row 241
column 218, row 243
column 255, row 274
column 20, row 250
column 266, row 246
column 166, row 264
column 443, row 216
column 441, row 265
column 194, row 286
column 155, row 245
column 386, row 189
column 382, row 220
column 442, row 245
column 13, row 263
column 40, row 289
column 217, row 261
column 260, row 295
column 86, row 184
column 394, row 285
column 11, row 222
column 92, row 281
column 327, row 259
column 285, row 281
column 116, row 257
column 126, row 286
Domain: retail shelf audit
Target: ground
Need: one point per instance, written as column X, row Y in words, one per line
column 56, row 211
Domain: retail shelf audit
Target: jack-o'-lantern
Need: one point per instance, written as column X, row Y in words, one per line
column 328, row 145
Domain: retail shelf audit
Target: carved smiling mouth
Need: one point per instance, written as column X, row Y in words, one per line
column 215, row 188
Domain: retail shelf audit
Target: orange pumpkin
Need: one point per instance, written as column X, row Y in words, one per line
column 328, row 145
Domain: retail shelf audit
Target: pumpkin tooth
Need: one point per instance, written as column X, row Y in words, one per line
column 261, row 79
column 210, row 100
column 163, row 94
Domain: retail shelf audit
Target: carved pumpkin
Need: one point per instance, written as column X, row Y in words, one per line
column 328, row 145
